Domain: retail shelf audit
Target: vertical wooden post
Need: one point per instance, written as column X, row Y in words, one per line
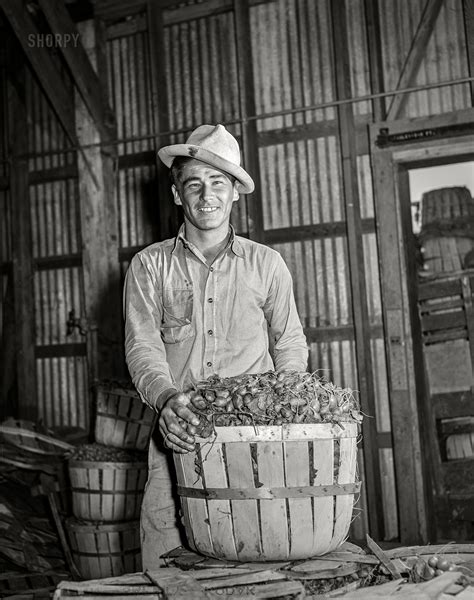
column 347, row 139
column 411, row 495
column 22, row 257
column 374, row 48
column 169, row 215
column 99, row 235
column 247, row 109
column 468, row 8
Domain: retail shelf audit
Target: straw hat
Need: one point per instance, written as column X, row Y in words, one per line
column 215, row 146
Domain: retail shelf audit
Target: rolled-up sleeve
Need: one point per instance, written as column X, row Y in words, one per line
column 290, row 350
column 145, row 352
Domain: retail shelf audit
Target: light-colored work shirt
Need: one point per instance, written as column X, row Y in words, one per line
column 186, row 320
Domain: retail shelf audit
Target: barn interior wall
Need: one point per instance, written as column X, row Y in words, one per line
column 300, row 170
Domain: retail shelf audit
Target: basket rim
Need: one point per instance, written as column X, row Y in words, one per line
column 282, row 433
column 110, row 464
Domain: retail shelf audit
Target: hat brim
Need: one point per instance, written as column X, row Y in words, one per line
column 245, row 183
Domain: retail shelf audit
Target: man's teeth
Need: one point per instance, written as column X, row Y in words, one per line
column 208, row 208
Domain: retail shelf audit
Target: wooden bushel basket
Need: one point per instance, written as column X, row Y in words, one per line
column 122, row 419
column 269, row 493
column 105, row 550
column 107, row 491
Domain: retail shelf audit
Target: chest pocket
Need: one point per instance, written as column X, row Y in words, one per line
column 177, row 325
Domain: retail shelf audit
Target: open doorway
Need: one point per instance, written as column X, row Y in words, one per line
column 442, row 266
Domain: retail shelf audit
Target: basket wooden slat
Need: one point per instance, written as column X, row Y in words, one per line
column 323, row 465
column 122, row 419
column 275, row 493
column 300, row 509
column 107, row 491
column 105, row 549
column 242, row 477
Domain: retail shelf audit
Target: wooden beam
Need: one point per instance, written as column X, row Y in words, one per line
column 243, row 43
column 374, row 49
column 82, row 71
column 168, row 212
column 468, row 10
column 43, row 66
column 341, row 66
column 22, row 258
column 415, row 56
column 99, row 223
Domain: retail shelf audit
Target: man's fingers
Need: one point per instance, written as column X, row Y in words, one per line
column 176, row 444
column 186, row 414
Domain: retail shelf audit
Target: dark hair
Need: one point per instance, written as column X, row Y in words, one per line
column 177, row 166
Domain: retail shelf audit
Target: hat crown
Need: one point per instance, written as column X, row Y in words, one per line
column 216, row 139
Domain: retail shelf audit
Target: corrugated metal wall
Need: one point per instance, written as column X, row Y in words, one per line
column 61, row 366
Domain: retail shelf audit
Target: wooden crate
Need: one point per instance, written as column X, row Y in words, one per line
column 269, row 493
column 122, row 419
column 104, row 549
column 107, row 491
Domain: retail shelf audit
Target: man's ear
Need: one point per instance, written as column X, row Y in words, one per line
column 236, row 194
column 176, row 196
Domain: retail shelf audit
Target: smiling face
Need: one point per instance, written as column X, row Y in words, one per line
column 206, row 195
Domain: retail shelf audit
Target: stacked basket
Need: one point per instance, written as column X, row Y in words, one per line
column 107, row 482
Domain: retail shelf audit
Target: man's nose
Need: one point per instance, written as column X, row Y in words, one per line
column 206, row 191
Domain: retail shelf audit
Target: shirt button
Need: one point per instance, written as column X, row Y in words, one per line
column 210, row 300
column 211, row 269
column 209, row 364
column 210, row 332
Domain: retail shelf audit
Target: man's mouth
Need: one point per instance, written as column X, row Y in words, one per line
column 207, row 209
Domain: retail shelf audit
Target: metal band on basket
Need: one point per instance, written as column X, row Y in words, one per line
column 263, row 493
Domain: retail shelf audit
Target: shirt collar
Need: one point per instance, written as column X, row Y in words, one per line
column 233, row 243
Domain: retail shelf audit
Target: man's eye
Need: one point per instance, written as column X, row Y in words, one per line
column 192, row 186
column 218, row 182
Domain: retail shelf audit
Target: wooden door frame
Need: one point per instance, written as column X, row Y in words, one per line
column 395, row 147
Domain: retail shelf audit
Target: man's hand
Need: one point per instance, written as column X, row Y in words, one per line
column 178, row 423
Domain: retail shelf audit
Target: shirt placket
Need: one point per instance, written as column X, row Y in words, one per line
column 209, row 321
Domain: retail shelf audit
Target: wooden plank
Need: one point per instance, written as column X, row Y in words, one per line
column 374, row 49
column 179, row 585
column 22, row 255
column 56, row 350
column 410, row 485
column 415, row 56
column 249, row 144
column 99, row 233
column 311, row 131
column 467, row 294
column 168, row 212
column 85, row 78
column 45, row 69
column 357, row 264
column 315, row 231
column 244, row 512
column 273, row 513
column 53, row 174
column 468, row 11
column 452, row 320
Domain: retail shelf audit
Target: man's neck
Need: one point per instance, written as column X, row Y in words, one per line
column 210, row 243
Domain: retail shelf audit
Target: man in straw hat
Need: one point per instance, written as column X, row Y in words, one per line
column 204, row 302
